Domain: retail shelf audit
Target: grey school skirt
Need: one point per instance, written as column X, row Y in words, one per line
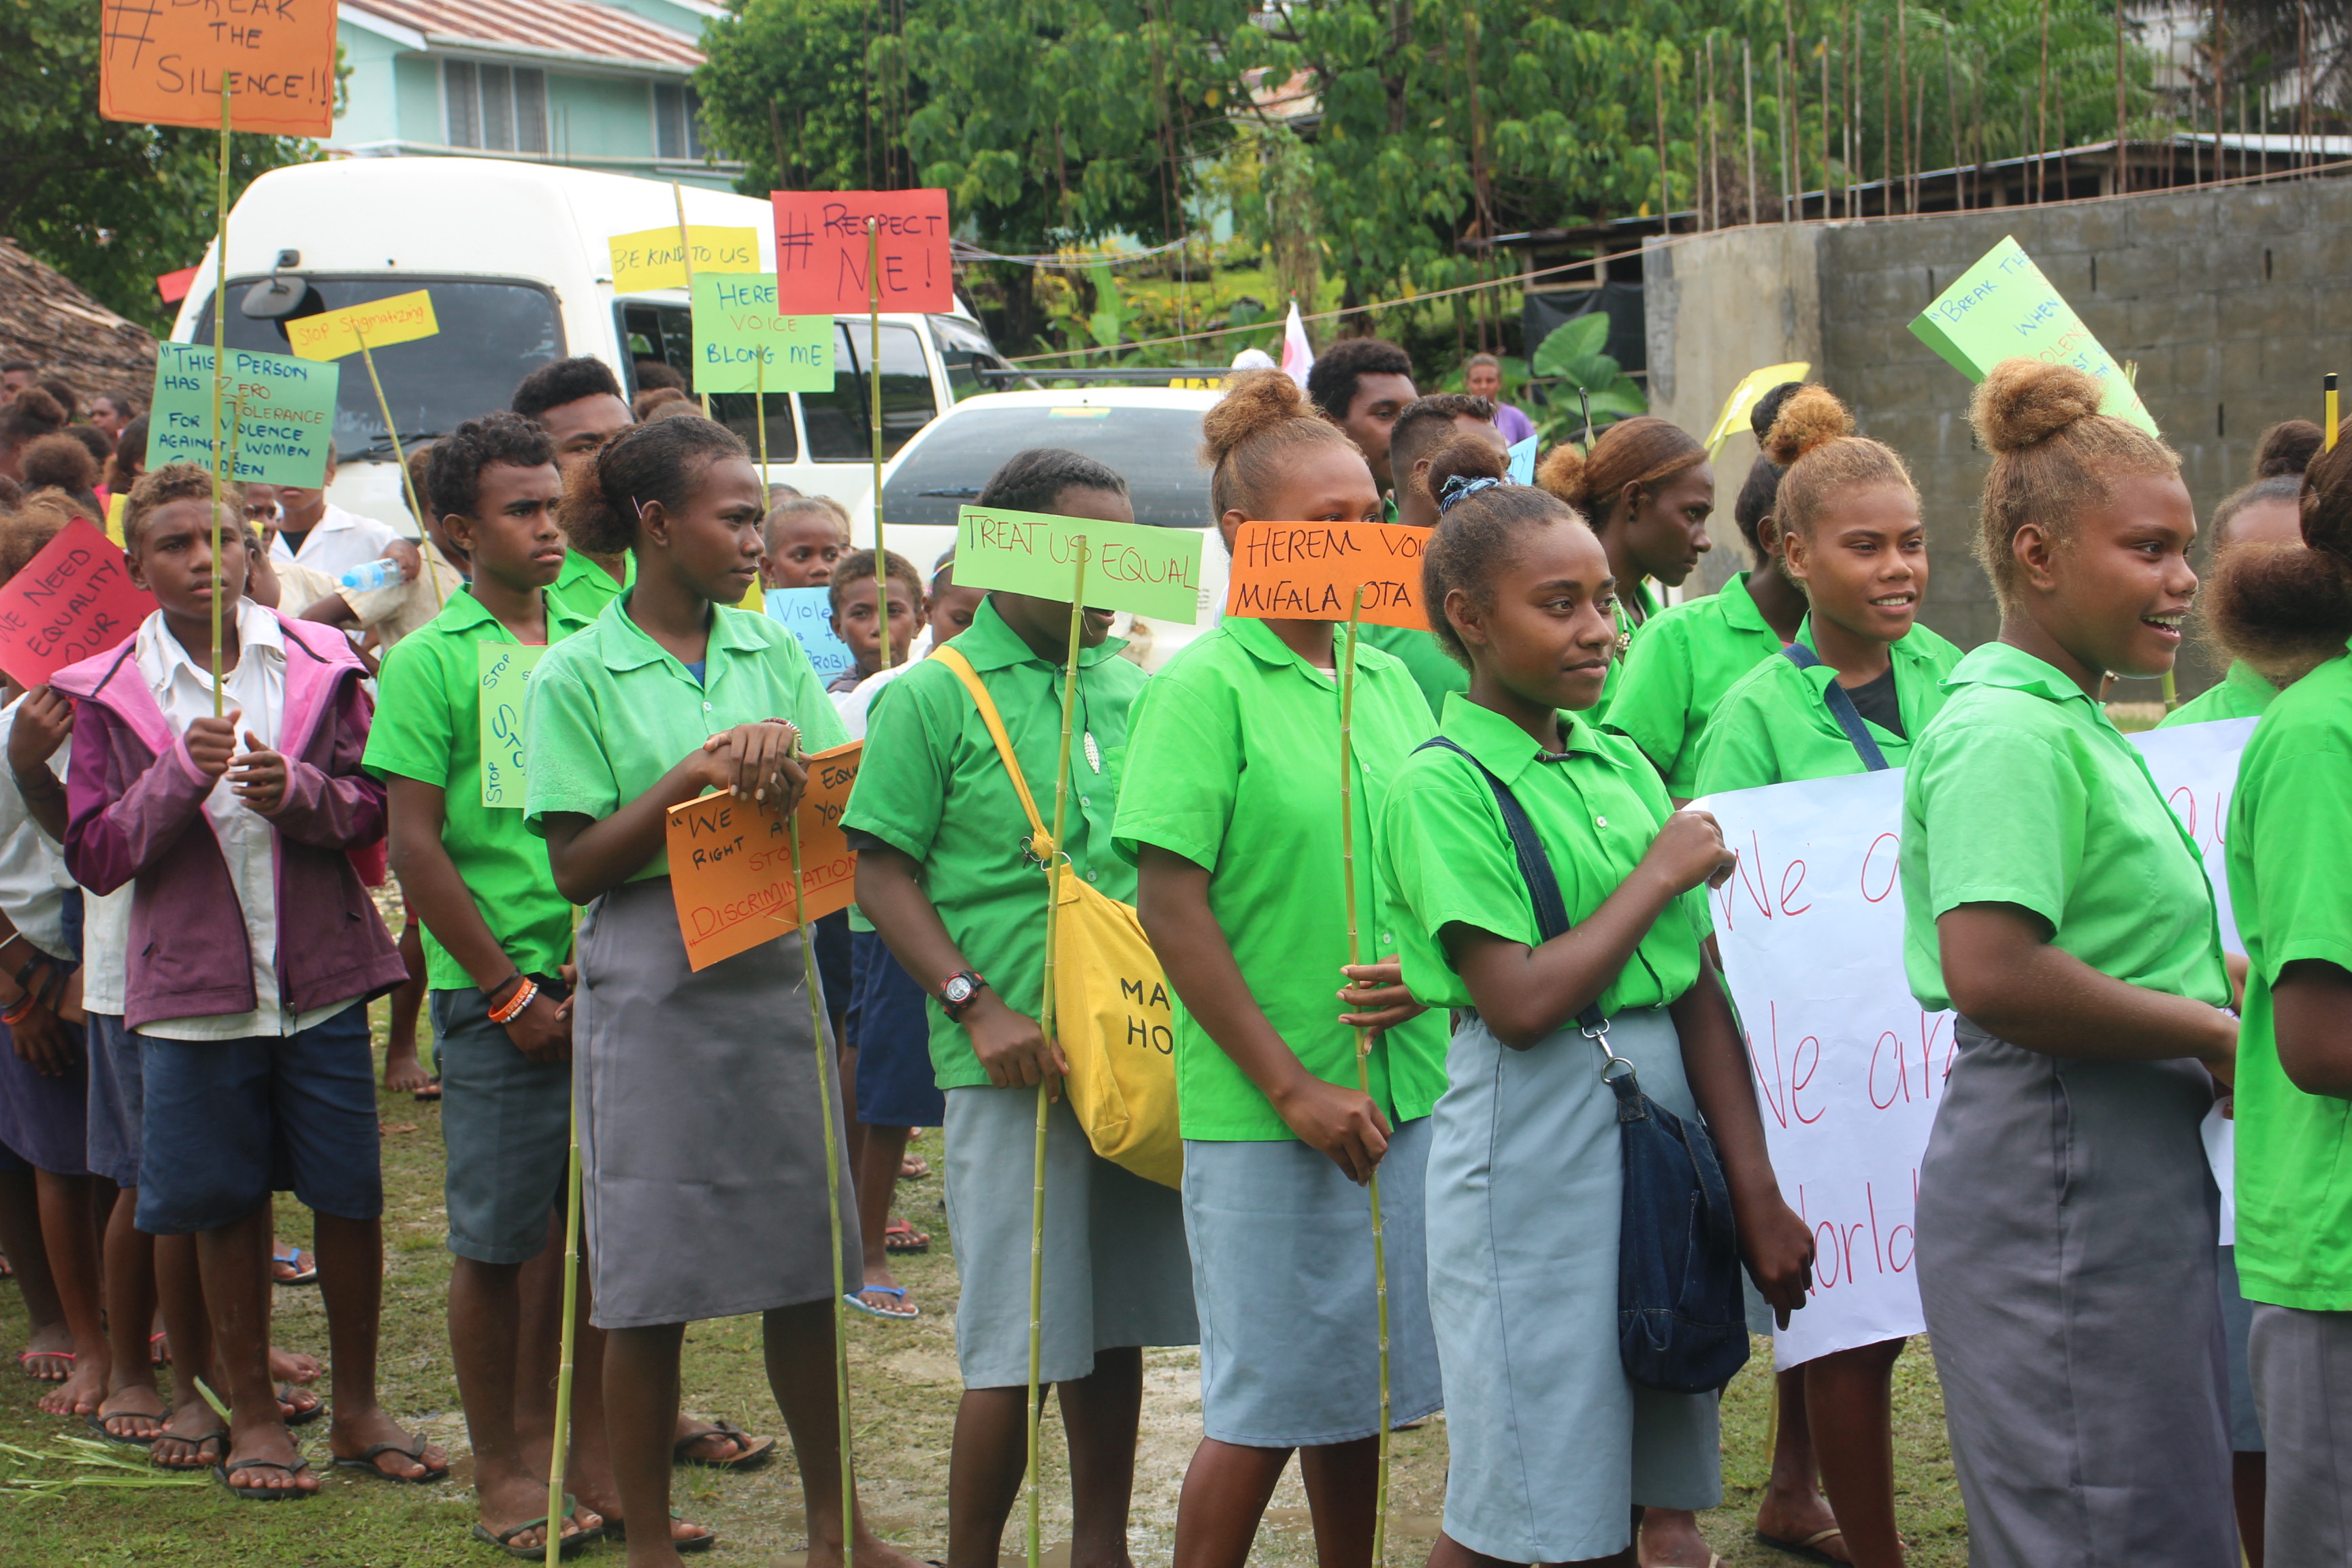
column 2067, row 1225
column 701, row 1137
column 1552, row 1443
column 1282, row 1273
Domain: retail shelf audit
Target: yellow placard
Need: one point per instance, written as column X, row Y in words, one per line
column 402, row 319
column 653, row 258
column 1752, row 385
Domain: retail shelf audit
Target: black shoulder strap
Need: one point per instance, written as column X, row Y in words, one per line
column 1535, row 865
column 1841, row 708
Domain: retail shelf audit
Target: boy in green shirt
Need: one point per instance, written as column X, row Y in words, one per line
column 578, row 403
column 498, row 939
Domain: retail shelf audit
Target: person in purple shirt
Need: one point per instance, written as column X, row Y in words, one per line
column 1482, row 377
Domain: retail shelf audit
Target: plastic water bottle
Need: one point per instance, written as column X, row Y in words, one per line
column 371, row 575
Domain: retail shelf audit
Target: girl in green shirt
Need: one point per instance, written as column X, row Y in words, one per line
column 701, row 1137
column 2066, row 1218
column 1553, row 1445
column 1230, row 808
column 1849, row 520
column 1647, row 490
column 2268, row 513
column 2287, row 608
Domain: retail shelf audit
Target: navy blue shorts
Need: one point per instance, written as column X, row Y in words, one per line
column 228, row 1123
column 833, row 965
column 890, row 1025
column 117, row 1101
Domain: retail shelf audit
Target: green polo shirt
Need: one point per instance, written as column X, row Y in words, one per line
column 587, row 586
column 611, row 710
column 1681, row 664
column 1627, row 630
column 1595, row 807
column 2290, row 841
column 932, row 787
column 2022, row 791
column 1233, row 762
column 2240, row 694
column 1424, row 658
column 429, row 727
column 1774, row 724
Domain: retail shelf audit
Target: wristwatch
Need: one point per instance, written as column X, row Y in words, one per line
column 957, row 990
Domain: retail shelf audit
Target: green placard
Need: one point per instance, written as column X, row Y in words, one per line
column 2003, row 307
column 505, row 680
column 1153, row 571
column 280, row 410
column 736, row 324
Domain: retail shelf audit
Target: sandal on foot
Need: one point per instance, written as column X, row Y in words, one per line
column 431, row 1091
column 1810, row 1548
column 199, row 1443
column 618, row 1529
column 898, row 1236
column 98, row 1424
column 295, row 1414
column 263, row 1494
column 565, row 1546
column 906, row 1314
column 158, row 1349
column 26, row 1358
column 292, row 1259
column 756, row 1451
column 366, row 1463
column 913, row 1168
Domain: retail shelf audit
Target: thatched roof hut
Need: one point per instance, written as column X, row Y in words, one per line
column 44, row 318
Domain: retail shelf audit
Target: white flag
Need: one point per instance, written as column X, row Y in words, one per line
column 1297, row 355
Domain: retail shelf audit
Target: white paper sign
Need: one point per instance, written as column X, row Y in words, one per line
column 1849, row 1067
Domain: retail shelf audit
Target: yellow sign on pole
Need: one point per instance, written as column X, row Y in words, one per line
column 1743, row 397
column 402, row 319
column 653, row 258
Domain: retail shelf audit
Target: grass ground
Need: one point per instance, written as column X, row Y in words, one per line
column 905, row 1386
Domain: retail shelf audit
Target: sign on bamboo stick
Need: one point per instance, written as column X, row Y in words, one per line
column 2003, row 307
column 1145, row 571
column 730, row 862
column 165, row 62
column 1311, row 571
column 825, row 260
column 278, row 412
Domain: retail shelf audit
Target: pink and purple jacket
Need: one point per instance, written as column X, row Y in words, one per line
column 135, row 813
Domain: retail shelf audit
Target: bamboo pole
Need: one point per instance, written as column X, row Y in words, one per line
column 2327, row 431
column 1053, row 858
column 685, row 259
column 2123, row 166
column 827, row 1079
column 1666, row 187
column 1902, row 97
column 556, row 1512
column 874, row 378
column 1363, row 1058
column 407, row 480
column 1714, row 166
column 1747, row 100
column 220, row 384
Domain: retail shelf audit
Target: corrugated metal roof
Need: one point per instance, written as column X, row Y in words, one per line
column 568, row 26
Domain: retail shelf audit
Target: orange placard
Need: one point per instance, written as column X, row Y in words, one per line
column 163, row 61
column 730, row 862
column 1310, row 572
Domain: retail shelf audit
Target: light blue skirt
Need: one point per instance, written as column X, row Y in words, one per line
column 1282, row 1274
column 1552, row 1445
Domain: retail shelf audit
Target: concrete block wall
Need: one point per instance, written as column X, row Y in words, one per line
column 2232, row 302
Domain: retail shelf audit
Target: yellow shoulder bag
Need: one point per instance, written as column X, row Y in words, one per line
column 1112, row 1017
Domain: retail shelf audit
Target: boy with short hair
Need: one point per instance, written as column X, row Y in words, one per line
column 254, row 950
column 498, row 940
column 855, row 623
column 578, row 403
column 803, row 542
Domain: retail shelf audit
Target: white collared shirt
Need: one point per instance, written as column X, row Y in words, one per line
column 341, row 541
column 254, row 691
column 33, row 879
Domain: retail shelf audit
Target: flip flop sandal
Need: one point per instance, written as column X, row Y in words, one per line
column 871, row 1311
column 97, row 1423
column 198, row 1444
column 303, row 1276
column 618, row 1529
column 158, row 1349
column 296, row 1415
column 914, row 1168
column 756, row 1452
column 901, row 1237
column 26, row 1358
column 1810, row 1548
column 566, row 1546
column 366, row 1463
column 431, row 1091
column 263, row 1494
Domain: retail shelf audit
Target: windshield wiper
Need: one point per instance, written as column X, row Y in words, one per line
column 963, row 493
column 382, row 446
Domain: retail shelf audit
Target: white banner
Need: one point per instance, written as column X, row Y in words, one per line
column 1849, row 1067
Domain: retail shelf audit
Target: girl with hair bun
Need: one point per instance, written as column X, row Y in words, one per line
column 1228, row 810
column 2267, row 513
column 2287, row 610
column 1687, row 656
column 713, row 1203
column 1553, row 1444
column 2052, row 899
column 1647, row 490
column 1848, row 520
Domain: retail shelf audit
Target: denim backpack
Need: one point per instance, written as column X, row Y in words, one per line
column 1681, row 1324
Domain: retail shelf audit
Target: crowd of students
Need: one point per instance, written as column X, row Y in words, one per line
column 190, row 942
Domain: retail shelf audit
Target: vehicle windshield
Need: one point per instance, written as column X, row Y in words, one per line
column 491, row 336
column 1156, row 449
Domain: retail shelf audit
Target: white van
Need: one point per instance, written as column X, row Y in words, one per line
column 516, row 258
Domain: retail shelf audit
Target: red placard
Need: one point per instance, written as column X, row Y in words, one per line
column 821, row 259
column 71, row 602
column 163, row 62
column 174, row 286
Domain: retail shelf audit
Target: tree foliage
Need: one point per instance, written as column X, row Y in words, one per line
column 109, row 204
